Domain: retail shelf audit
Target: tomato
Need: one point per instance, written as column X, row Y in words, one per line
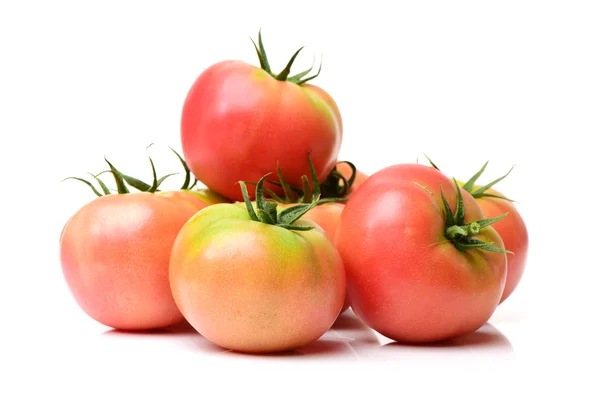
column 512, row 229
column 256, row 279
column 115, row 252
column 239, row 121
column 418, row 270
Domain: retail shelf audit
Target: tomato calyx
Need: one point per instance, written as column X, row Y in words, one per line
column 479, row 192
column 122, row 180
column 307, row 194
column 460, row 232
column 266, row 210
column 298, row 79
column 336, row 185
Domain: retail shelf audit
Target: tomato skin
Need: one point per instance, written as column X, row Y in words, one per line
column 405, row 280
column 208, row 196
column 114, row 254
column 327, row 217
column 252, row 287
column 238, row 122
column 514, row 233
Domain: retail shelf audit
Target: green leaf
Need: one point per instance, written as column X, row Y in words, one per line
column 290, row 196
column 161, row 180
column 294, row 213
column 249, row 206
column 154, row 180
column 187, row 172
column 469, row 185
column 283, row 75
column 96, row 192
column 315, row 181
column 468, row 243
column 103, row 186
column 265, row 217
column 260, row 197
column 450, row 221
column 119, row 180
column 271, row 210
column 353, row 176
column 297, row 227
column 261, row 53
column 297, row 77
column 136, row 183
column 459, row 214
column 332, row 200
column 308, row 194
column 495, row 196
column 430, row 162
column 310, row 78
column 489, row 221
column 479, row 192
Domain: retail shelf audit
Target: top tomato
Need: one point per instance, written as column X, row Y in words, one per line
column 239, row 121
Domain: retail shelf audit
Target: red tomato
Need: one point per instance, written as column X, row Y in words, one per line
column 410, row 276
column 512, row 229
column 256, row 283
column 238, row 121
column 115, row 252
column 115, row 256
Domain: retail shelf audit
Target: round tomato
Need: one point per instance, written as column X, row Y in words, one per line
column 239, row 121
column 115, row 251
column 421, row 261
column 256, row 279
column 512, row 229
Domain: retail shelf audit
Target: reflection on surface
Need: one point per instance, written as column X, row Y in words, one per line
column 349, row 338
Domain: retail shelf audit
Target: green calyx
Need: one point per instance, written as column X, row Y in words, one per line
column 298, row 79
column 122, row 180
column 336, row 185
column 307, row 194
column 460, row 232
column 481, row 191
column 266, row 211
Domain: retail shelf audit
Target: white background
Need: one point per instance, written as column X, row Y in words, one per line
column 513, row 82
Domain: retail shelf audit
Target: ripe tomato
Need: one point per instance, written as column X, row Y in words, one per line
column 512, row 229
column 238, row 121
column 115, row 251
column 418, row 270
column 256, row 280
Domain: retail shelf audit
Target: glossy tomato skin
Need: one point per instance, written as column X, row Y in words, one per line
column 514, row 233
column 405, row 279
column 115, row 254
column 238, row 122
column 252, row 287
column 327, row 216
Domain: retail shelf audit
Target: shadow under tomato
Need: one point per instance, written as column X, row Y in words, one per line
column 487, row 337
column 183, row 328
column 487, row 347
column 346, row 339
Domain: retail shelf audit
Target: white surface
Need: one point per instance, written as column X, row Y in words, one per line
column 513, row 82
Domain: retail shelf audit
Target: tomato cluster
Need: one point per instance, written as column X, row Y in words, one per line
column 285, row 236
